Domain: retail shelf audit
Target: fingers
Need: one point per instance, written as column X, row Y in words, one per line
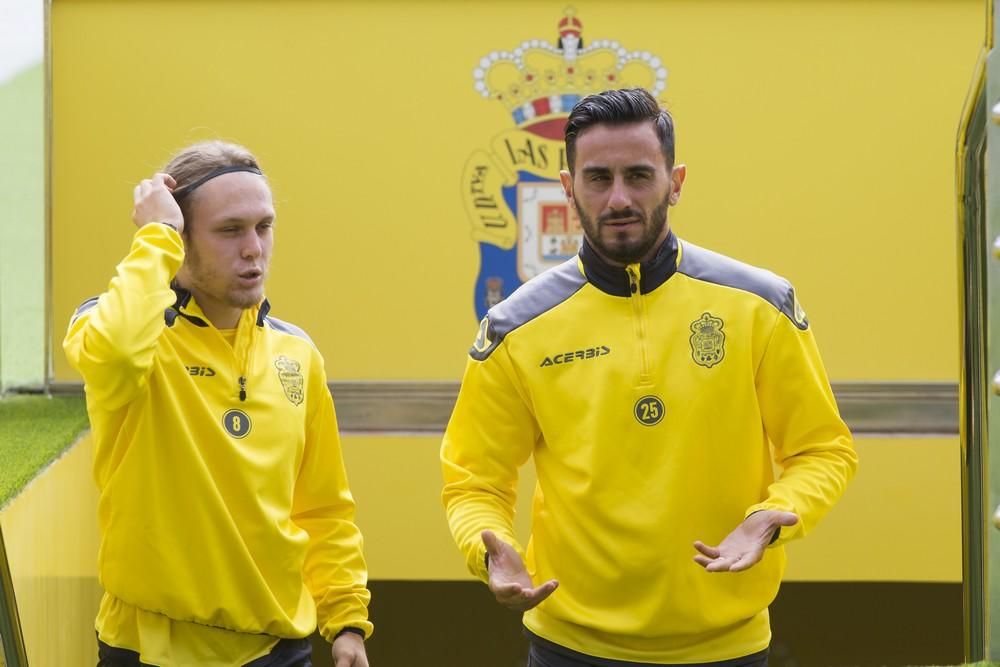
column 518, row 598
column 544, row 591
column 506, row 591
column 711, row 552
column 155, row 203
column 715, row 564
column 703, row 560
column 166, row 180
column 733, row 563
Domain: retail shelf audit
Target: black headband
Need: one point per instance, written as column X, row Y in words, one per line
column 181, row 193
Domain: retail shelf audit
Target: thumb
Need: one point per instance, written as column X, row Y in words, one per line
column 786, row 518
column 493, row 543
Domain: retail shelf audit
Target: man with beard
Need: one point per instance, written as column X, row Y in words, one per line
column 648, row 379
column 227, row 525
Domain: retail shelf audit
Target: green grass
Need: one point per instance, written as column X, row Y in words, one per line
column 34, row 430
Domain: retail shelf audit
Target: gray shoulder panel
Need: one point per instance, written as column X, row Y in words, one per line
column 288, row 328
column 711, row 267
column 538, row 295
column 84, row 307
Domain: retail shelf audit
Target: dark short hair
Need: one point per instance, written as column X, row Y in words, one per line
column 619, row 107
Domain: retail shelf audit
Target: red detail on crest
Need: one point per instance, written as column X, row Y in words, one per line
column 554, row 219
column 542, row 107
column 551, row 128
column 569, row 70
column 529, row 78
column 570, row 24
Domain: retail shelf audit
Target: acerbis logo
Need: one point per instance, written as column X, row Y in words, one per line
column 576, row 355
column 203, row 371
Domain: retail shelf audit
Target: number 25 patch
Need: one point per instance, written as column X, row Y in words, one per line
column 649, row 410
column 237, row 423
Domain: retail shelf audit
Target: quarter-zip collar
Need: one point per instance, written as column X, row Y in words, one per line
column 247, row 329
column 614, row 280
column 186, row 307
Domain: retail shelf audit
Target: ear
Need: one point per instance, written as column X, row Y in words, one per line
column 567, row 182
column 677, row 176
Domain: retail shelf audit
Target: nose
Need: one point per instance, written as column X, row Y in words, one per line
column 619, row 198
column 252, row 246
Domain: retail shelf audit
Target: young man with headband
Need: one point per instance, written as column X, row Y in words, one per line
column 227, row 524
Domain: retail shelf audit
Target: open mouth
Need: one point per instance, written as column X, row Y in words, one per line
column 251, row 276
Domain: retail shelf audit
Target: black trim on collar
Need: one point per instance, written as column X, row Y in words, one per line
column 265, row 308
column 183, row 298
column 614, row 280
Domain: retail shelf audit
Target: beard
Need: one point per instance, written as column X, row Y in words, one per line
column 621, row 248
column 206, row 280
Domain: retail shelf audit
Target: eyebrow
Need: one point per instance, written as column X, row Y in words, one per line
column 243, row 221
column 631, row 169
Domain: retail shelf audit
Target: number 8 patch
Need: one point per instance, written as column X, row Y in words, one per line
column 649, row 410
column 236, row 422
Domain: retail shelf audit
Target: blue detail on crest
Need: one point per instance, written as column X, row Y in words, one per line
column 569, row 101
column 494, row 261
column 565, row 105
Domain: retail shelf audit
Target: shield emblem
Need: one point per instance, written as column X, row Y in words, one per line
column 707, row 340
column 549, row 233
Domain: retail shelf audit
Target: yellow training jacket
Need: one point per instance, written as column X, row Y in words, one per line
column 216, row 508
column 648, row 397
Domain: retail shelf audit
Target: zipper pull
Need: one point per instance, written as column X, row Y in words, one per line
column 243, row 388
column 633, row 280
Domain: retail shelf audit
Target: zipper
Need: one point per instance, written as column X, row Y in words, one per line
column 638, row 302
column 244, row 347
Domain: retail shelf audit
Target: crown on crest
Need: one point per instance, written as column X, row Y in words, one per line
column 539, row 79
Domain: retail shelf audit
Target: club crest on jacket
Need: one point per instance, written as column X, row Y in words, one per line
column 289, row 373
column 707, row 340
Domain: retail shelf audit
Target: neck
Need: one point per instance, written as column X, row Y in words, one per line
column 219, row 313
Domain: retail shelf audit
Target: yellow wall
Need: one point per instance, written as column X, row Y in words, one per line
column 819, row 138
column 889, row 527
column 51, row 535
column 895, row 523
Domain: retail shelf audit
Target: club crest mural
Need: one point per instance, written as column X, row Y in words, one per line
column 519, row 214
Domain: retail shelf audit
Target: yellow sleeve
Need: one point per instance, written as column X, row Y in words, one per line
column 812, row 445
column 491, row 433
column 334, row 571
column 113, row 343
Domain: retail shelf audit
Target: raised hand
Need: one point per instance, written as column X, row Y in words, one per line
column 509, row 580
column 155, row 203
column 744, row 547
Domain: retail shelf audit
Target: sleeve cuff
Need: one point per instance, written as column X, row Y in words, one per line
column 363, row 628
column 352, row 630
